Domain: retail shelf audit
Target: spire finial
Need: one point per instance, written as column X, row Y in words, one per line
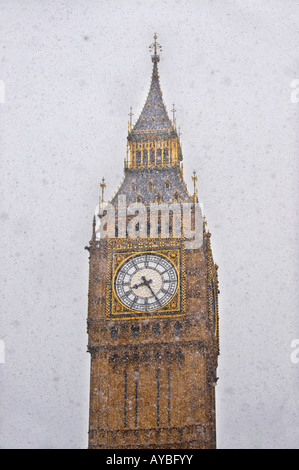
column 154, row 47
column 103, row 186
column 194, row 179
column 173, row 115
column 130, row 115
column 179, row 133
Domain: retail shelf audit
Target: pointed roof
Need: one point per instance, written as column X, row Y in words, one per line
column 154, row 115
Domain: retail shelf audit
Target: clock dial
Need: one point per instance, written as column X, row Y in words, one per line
column 146, row 282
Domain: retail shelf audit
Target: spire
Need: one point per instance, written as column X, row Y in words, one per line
column 154, row 115
column 153, row 141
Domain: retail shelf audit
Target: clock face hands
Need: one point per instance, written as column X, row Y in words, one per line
column 148, row 285
column 146, row 282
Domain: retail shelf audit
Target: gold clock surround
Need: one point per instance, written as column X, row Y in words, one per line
column 117, row 255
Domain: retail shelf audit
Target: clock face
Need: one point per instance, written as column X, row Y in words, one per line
column 146, row 282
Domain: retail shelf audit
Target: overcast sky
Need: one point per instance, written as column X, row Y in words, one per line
column 71, row 71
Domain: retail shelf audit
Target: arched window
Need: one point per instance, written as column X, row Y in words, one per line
column 178, row 328
column 138, row 157
column 176, row 196
column 138, row 198
column 135, row 330
column 133, row 186
column 166, row 156
column 159, row 156
column 152, row 156
column 150, row 187
column 145, row 157
column 167, row 184
column 158, row 198
column 157, row 329
column 114, row 332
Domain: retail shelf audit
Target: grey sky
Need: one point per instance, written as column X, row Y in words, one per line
column 71, row 71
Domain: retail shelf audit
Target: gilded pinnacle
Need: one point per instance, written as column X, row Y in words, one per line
column 103, row 186
column 173, row 115
column 194, row 179
column 130, row 122
column 154, row 47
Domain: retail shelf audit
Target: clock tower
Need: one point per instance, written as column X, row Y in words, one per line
column 153, row 299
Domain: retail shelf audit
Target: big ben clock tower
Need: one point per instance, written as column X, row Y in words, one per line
column 153, row 300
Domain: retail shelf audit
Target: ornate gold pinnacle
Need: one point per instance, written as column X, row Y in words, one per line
column 194, row 179
column 103, row 186
column 173, row 116
column 154, row 47
column 130, row 122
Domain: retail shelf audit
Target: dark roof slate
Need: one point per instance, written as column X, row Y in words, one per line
column 154, row 115
column 158, row 177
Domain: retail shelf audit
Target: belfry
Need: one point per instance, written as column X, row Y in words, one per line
column 153, row 302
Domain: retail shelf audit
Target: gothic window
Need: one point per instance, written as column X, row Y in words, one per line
column 138, row 198
column 150, row 187
column 178, row 328
column 166, row 156
column 114, row 332
column 159, row 156
column 136, row 398
column 158, row 398
column 152, row 156
column 138, row 157
column 157, row 329
column 135, row 330
column 176, row 196
column 167, row 184
column 158, row 198
column 133, row 187
column 145, row 156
